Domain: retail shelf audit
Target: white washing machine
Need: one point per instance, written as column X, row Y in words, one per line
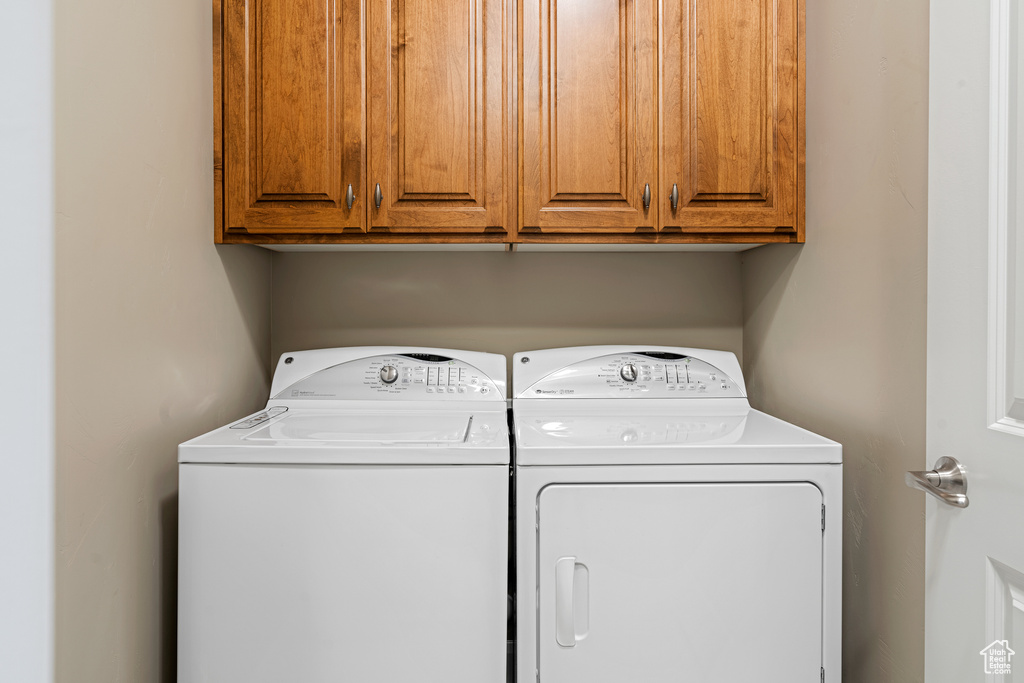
column 353, row 530
column 665, row 530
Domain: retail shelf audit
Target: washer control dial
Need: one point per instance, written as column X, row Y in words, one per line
column 628, row 372
column 388, row 374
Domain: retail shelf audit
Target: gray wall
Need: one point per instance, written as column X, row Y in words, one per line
column 506, row 302
column 834, row 331
column 160, row 335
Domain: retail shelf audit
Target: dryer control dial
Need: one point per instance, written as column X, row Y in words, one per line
column 628, row 372
column 388, row 374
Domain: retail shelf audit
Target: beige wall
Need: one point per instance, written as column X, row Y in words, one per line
column 160, row 335
column 506, row 302
column 834, row 331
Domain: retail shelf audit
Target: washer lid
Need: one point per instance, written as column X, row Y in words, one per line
column 361, row 429
column 320, row 436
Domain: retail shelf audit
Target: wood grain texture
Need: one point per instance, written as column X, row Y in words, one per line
column 293, row 99
column 486, row 237
column 438, row 115
column 661, row 237
column 218, row 122
column 732, row 115
column 434, row 97
column 731, row 99
column 588, row 143
column 446, row 83
column 293, row 114
column 499, row 237
column 588, row 57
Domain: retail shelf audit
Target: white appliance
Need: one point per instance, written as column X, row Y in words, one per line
column 665, row 530
column 353, row 530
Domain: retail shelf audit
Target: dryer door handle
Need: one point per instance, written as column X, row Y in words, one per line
column 565, row 631
column 572, row 609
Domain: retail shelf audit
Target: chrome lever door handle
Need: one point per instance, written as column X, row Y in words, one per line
column 350, row 197
column 674, row 196
column 647, row 196
column 947, row 482
column 378, row 196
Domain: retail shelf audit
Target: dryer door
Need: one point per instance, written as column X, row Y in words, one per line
column 680, row 582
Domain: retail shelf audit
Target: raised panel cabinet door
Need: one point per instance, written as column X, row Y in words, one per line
column 732, row 115
column 293, row 116
column 438, row 116
column 588, row 105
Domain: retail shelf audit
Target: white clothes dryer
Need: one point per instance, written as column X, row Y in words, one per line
column 353, row 530
column 666, row 531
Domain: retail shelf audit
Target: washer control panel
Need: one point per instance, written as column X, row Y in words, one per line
column 661, row 375
column 413, row 376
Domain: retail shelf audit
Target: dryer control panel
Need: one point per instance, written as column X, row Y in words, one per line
column 639, row 374
column 404, row 376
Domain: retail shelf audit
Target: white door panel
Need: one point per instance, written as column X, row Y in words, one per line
column 975, row 556
column 675, row 582
column 325, row 574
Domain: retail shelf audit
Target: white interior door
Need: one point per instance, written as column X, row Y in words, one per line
column 675, row 582
column 975, row 555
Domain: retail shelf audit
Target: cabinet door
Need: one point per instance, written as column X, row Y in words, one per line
column 293, row 115
column 664, row 583
column 438, row 116
column 589, row 130
column 732, row 132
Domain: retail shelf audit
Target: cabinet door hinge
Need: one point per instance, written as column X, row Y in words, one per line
column 823, row 531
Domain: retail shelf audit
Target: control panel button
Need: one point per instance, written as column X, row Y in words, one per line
column 388, row 374
column 628, row 372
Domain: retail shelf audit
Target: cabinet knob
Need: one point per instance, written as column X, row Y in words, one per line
column 647, row 196
column 350, row 197
column 378, row 196
column 674, row 197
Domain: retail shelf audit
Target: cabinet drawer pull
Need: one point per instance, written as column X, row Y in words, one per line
column 378, row 196
column 647, row 196
column 350, row 197
column 674, row 197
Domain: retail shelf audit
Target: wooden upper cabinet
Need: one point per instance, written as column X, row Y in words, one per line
column 438, row 113
column 588, row 102
column 629, row 121
column 292, row 117
column 732, row 116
